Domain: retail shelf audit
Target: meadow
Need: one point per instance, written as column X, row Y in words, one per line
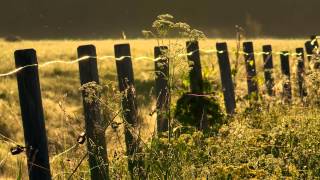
column 270, row 142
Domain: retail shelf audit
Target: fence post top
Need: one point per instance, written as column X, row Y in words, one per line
column 248, row 49
column 221, row 43
column 192, row 44
column 222, row 47
column 300, row 50
column 122, row 51
column 122, row 45
column 308, row 44
column 86, row 46
column 247, row 43
column 300, row 53
column 267, row 46
column 24, row 51
column 25, row 57
column 313, row 36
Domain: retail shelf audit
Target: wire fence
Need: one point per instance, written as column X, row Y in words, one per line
column 205, row 51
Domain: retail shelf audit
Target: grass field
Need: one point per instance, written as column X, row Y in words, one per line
column 237, row 147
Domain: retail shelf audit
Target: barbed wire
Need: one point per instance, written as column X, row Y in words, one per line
column 64, row 152
column 7, row 139
column 19, row 149
column 205, row 51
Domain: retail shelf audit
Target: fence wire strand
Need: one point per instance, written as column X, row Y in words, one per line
column 64, row 152
column 7, row 139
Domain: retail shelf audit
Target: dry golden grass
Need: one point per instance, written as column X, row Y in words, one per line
column 60, row 80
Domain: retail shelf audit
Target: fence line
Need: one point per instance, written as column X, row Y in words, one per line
column 206, row 51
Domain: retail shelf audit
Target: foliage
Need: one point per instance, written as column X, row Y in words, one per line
column 313, row 85
column 191, row 110
column 187, row 105
column 164, row 27
column 281, row 146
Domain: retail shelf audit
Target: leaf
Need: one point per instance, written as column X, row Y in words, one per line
column 176, row 128
column 186, row 83
column 19, row 175
column 251, row 62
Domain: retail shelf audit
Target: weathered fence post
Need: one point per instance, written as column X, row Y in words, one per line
column 94, row 124
column 314, row 41
column 162, row 87
column 129, row 105
column 285, row 69
column 315, row 50
column 301, row 72
column 196, row 81
column 253, row 91
column 268, row 69
column 32, row 115
column 309, row 50
column 226, row 78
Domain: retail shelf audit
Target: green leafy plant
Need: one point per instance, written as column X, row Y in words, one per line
column 191, row 110
column 187, row 105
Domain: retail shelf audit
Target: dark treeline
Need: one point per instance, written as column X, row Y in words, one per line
column 108, row 18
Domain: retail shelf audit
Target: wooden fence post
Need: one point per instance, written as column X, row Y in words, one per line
column 285, row 69
column 162, row 88
column 196, row 81
column 314, row 41
column 253, row 91
column 129, row 105
column 301, row 72
column 226, row 78
column 315, row 50
column 268, row 69
column 32, row 115
column 309, row 50
column 94, row 124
